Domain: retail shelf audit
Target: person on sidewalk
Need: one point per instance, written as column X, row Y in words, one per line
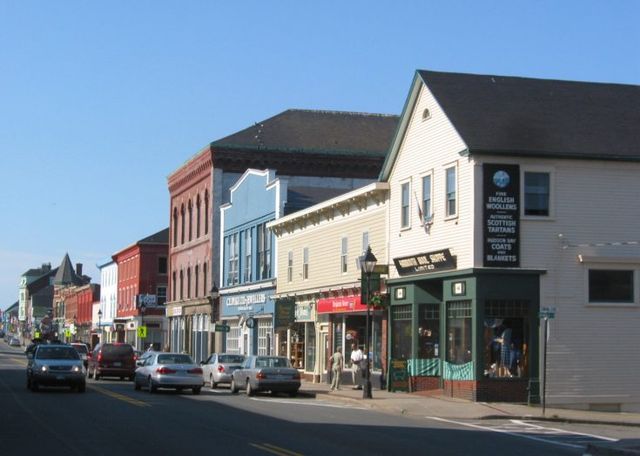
column 356, row 365
column 337, row 365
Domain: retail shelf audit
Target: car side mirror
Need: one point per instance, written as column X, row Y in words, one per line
column 29, row 355
column 139, row 363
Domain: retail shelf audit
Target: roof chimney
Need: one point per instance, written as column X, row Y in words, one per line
column 79, row 269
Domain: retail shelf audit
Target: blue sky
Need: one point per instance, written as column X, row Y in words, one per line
column 101, row 101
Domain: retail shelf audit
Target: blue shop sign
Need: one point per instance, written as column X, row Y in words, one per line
column 257, row 302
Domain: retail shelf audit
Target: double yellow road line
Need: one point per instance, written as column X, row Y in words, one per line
column 120, row 397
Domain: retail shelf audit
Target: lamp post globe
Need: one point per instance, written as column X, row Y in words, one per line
column 367, row 264
column 100, row 326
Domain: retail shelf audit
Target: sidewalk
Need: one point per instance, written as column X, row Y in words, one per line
column 423, row 405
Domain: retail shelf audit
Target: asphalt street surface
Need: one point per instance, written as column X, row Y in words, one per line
column 111, row 418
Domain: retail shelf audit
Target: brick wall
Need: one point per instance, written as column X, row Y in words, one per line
column 494, row 390
column 424, row 383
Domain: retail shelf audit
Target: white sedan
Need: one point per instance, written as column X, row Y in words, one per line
column 168, row 370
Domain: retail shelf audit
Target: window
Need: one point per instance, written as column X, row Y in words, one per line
column 181, row 284
column 459, row 332
column 197, row 277
column 264, row 252
column 536, row 193
column 190, row 221
column 198, row 215
column 305, row 263
column 290, row 266
column 175, row 226
column 161, row 293
column 506, row 338
column 365, row 241
column 232, row 259
column 206, row 212
column 451, row 191
column 204, row 279
column 182, row 224
column 188, row 283
column 404, row 206
column 247, row 267
column 162, row 265
column 611, row 286
column 343, row 255
column 426, row 199
column 401, row 332
column 173, row 285
column 428, row 331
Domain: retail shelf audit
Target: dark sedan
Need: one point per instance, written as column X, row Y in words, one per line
column 55, row 365
column 266, row 373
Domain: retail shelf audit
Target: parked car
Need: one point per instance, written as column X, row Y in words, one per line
column 14, row 342
column 219, row 367
column 168, row 370
column 112, row 360
column 266, row 373
column 83, row 351
column 55, row 365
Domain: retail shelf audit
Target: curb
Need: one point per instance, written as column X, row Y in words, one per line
column 559, row 419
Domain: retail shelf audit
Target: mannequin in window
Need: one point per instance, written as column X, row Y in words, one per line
column 505, row 350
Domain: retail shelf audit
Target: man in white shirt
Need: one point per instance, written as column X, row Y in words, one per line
column 356, row 366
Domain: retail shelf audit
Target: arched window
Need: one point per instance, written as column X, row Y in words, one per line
column 173, row 285
column 175, row 226
column 195, row 295
column 204, row 279
column 182, row 224
column 188, row 283
column 181, row 284
column 190, row 221
column 198, row 216
column 206, row 212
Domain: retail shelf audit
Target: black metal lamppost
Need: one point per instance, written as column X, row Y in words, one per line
column 143, row 307
column 367, row 265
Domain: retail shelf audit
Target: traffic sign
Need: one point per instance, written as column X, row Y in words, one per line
column 547, row 312
column 222, row 328
column 142, row 332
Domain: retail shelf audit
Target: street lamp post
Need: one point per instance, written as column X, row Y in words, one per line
column 143, row 307
column 214, row 295
column 100, row 326
column 367, row 266
column 75, row 328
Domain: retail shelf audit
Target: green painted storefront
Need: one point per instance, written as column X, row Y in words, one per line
column 468, row 307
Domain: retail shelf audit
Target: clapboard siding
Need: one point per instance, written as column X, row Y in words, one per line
column 430, row 146
column 324, row 240
column 593, row 356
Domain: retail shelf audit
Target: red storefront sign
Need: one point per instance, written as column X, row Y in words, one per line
column 341, row 304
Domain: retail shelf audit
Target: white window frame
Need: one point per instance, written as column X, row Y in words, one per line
column 344, row 254
column 406, row 226
column 611, row 264
column 427, row 212
column 365, row 241
column 290, row 266
column 552, row 191
column 448, row 215
column 305, row 263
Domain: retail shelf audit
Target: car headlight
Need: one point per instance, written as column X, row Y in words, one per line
column 44, row 368
column 75, row 368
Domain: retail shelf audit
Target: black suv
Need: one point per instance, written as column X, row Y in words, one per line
column 112, row 360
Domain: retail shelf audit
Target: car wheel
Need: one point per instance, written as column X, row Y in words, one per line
column 82, row 388
column 89, row 373
column 212, row 383
column 195, row 390
column 234, row 387
column 250, row 391
column 152, row 386
column 96, row 375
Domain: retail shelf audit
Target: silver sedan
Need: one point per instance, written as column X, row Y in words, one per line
column 219, row 367
column 168, row 370
column 266, row 373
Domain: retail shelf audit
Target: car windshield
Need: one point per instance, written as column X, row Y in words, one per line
column 57, row 353
column 123, row 349
column 238, row 359
column 272, row 362
column 80, row 348
column 174, row 359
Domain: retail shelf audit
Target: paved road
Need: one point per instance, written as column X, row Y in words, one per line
column 111, row 418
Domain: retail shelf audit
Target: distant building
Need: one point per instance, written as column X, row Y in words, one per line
column 108, row 301
column 35, row 299
column 66, row 284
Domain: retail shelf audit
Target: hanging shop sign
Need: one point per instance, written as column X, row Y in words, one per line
column 284, row 314
column 501, row 221
column 253, row 302
column 440, row 260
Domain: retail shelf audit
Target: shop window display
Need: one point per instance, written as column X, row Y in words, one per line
column 506, row 339
column 459, row 342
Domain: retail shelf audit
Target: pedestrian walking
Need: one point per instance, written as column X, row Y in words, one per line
column 356, row 365
column 337, row 365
